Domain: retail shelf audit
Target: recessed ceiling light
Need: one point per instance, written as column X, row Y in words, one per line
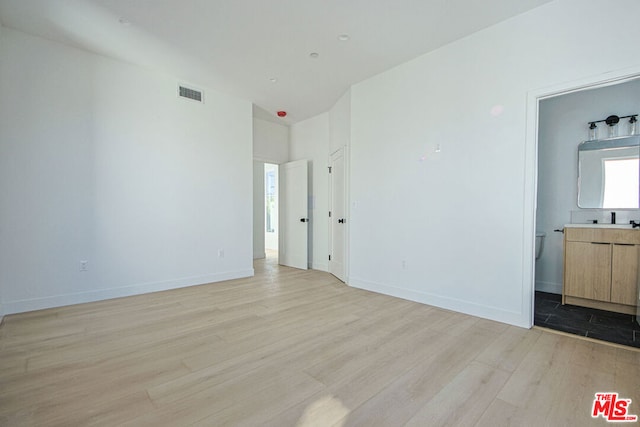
column 314, row 55
column 124, row 21
column 273, row 80
column 344, row 37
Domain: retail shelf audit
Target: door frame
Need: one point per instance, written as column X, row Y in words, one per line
column 347, row 209
column 531, row 171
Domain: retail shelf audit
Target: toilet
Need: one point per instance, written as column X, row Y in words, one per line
column 539, row 243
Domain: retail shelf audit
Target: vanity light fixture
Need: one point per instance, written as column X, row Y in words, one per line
column 612, row 121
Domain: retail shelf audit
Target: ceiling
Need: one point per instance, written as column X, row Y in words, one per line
column 260, row 50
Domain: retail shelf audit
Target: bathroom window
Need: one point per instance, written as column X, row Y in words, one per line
column 620, row 183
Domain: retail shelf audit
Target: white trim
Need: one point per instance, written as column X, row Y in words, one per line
column 22, row 306
column 461, row 306
column 530, row 180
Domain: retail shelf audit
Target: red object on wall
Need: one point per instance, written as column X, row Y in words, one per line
column 282, row 113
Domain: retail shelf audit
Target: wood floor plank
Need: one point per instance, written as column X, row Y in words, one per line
column 295, row 348
column 464, row 399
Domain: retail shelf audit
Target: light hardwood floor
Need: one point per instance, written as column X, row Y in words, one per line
column 295, row 348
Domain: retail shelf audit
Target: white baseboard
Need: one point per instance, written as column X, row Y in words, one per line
column 466, row 307
column 553, row 288
column 22, row 306
column 258, row 255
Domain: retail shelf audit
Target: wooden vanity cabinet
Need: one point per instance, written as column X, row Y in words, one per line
column 601, row 268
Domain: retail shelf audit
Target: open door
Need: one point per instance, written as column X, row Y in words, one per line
column 294, row 215
column 337, row 214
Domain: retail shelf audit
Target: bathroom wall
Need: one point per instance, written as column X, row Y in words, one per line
column 562, row 126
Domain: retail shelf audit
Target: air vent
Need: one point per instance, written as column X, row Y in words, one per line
column 189, row 93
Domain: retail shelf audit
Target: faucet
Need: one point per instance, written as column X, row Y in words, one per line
column 613, row 217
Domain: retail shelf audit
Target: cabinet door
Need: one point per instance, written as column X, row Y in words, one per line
column 624, row 274
column 587, row 271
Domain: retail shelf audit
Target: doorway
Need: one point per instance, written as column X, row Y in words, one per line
column 271, row 213
column 562, row 123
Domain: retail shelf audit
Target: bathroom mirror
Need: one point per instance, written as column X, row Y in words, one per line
column 608, row 173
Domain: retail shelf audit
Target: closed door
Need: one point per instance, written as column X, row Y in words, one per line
column 294, row 216
column 337, row 215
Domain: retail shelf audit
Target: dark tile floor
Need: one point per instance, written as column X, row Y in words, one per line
column 589, row 322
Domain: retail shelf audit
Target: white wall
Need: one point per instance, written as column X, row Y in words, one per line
column 562, row 126
column 310, row 140
column 340, row 123
column 449, row 227
column 101, row 161
column 270, row 141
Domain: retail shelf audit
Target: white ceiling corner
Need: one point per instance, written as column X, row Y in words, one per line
column 238, row 46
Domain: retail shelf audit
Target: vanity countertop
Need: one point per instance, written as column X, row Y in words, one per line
column 628, row 226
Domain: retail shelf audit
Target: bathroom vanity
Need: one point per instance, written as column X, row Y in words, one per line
column 601, row 266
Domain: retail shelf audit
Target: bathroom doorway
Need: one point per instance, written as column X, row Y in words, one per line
column 271, row 214
column 563, row 123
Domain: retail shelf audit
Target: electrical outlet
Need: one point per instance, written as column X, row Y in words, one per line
column 220, row 253
column 404, row 264
column 84, row 265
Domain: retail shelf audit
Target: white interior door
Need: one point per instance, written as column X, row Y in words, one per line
column 294, row 215
column 337, row 215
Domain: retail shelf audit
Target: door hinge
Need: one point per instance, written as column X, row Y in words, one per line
column 329, row 257
column 329, row 169
column 329, row 214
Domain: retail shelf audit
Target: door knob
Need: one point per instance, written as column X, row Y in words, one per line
column 304, row 219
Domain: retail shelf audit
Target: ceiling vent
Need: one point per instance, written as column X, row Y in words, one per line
column 190, row 93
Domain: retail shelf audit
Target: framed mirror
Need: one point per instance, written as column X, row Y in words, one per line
column 609, row 173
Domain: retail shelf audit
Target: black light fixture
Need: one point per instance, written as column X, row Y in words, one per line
column 633, row 126
column 593, row 131
column 612, row 121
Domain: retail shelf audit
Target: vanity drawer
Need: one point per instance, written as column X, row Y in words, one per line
column 603, row 235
